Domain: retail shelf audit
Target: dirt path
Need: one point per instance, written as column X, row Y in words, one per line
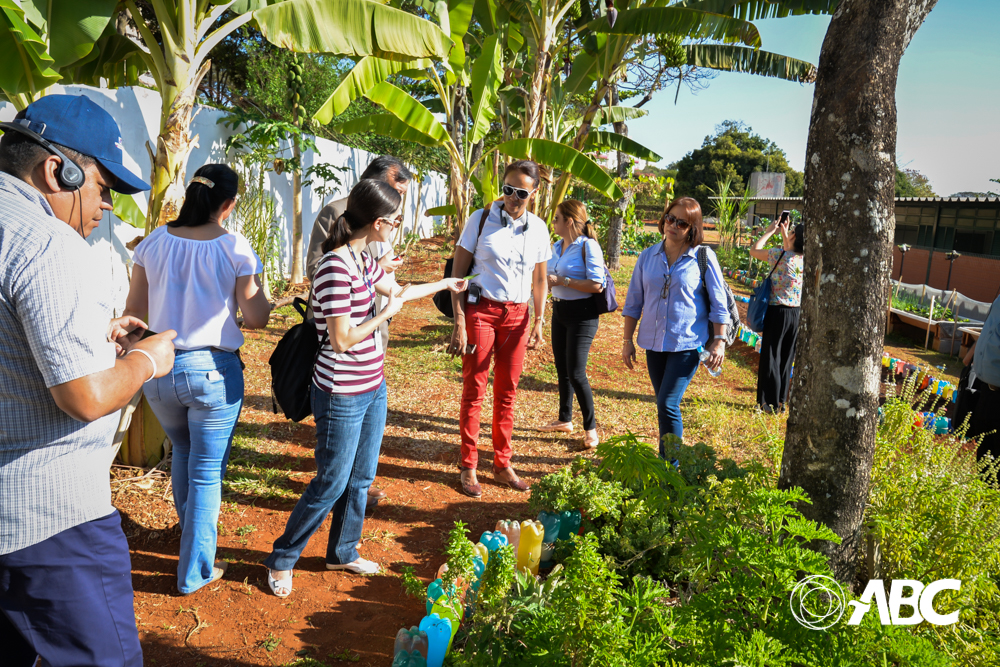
column 336, row 618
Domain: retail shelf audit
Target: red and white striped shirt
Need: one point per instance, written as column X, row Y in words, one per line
column 339, row 290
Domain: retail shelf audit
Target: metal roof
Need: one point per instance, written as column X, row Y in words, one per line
column 990, row 200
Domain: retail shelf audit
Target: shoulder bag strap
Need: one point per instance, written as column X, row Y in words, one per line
column 775, row 265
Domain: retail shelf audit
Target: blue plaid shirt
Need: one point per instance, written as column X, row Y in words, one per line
column 53, row 322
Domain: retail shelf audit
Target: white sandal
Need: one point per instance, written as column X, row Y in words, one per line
column 282, row 588
column 360, row 566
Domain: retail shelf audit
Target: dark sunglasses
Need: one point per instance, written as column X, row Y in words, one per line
column 521, row 193
column 676, row 222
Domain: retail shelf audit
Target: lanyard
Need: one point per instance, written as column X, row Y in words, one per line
column 364, row 274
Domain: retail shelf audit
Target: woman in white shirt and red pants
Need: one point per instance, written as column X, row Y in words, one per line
column 510, row 256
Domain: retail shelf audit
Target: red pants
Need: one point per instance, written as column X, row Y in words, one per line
column 500, row 329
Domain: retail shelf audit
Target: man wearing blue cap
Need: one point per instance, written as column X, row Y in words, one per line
column 66, row 369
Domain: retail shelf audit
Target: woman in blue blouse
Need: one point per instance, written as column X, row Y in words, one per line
column 575, row 274
column 676, row 313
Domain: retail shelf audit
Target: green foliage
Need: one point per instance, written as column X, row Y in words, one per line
column 915, row 305
column 576, row 487
column 733, row 153
column 412, row 586
column 911, row 183
column 934, row 513
column 461, row 553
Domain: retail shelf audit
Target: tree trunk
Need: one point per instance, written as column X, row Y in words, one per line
column 175, row 142
column 616, row 224
column 296, row 213
column 561, row 187
column 849, row 214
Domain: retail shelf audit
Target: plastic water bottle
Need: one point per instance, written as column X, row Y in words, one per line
column 703, row 356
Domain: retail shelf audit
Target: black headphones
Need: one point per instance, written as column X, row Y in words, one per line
column 504, row 216
column 69, row 174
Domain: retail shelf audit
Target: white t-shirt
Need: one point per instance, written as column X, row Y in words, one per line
column 507, row 254
column 192, row 286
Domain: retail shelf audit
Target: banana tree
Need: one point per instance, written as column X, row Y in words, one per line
column 45, row 42
column 407, row 119
column 190, row 29
column 599, row 68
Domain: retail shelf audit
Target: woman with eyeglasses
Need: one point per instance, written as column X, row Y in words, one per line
column 510, row 247
column 576, row 274
column 348, row 390
column 676, row 312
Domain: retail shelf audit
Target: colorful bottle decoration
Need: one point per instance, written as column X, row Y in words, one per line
column 434, row 591
column 481, row 551
column 550, row 521
column 478, row 567
column 412, row 642
column 452, row 610
column 511, row 530
column 438, row 631
column 569, row 523
column 942, row 425
column 408, row 659
column 493, row 541
column 529, row 552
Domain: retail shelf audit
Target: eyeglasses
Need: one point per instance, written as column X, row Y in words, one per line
column 676, row 222
column 392, row 222
column 521, row 193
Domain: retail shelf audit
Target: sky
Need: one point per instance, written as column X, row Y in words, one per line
column 947, row 99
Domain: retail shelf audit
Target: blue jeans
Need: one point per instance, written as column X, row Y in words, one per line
column 349, row 431
column 198, row 405
column 69, row 599
column 670, row 373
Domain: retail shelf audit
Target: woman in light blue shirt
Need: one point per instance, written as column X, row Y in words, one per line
column 676, row 311
column 575, row 274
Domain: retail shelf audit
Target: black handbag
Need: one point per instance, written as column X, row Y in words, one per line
column 292, row 364
column 605, row 300
column 442, row 300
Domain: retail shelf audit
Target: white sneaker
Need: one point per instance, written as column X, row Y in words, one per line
column 360, row 566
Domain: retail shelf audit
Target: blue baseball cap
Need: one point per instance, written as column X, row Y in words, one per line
column 74, row 121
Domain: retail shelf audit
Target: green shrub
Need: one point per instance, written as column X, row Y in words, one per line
column 934, row 513
column 576, row 487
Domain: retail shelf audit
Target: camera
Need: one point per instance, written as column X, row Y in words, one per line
column 474, row 292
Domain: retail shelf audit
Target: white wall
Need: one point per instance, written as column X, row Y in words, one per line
column 137, row 112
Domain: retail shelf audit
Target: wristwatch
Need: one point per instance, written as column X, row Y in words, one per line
column 565, row 281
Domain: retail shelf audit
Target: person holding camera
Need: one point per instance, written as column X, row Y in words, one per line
column 576, row 274
column 781, row 321
column 348, row 390
column 510, row 247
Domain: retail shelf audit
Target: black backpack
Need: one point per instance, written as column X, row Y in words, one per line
column 443, row 298
column 292, row 364
column 733, row 330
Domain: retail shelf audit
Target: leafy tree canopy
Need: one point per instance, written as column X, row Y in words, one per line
column 251, row 74
column 911, row 183
column 733, row 152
